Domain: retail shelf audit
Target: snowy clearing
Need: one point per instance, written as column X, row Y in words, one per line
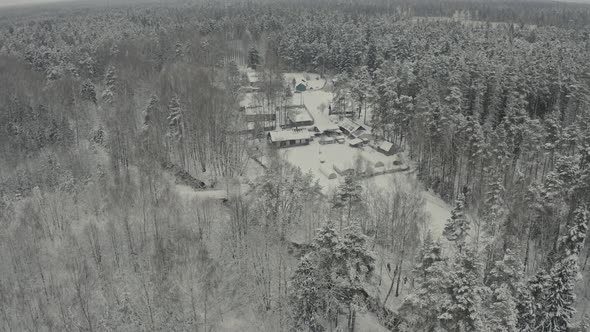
column 321, row 159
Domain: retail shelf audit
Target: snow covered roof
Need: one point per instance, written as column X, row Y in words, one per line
column 258, row 110
column 351, row 126
column 298, row 114
column 326, row 127
column 327, row 139
column 386, row 146
column 287, row 135
column 250, row 99
column 355, row 142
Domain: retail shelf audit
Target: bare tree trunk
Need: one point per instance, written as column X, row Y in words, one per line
column 148, row 302
column 399, row 274
column 390, row 288
column 586, row 260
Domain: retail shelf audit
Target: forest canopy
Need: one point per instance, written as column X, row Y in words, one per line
column 132, row 200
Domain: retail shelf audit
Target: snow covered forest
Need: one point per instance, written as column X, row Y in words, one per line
column 134, row 197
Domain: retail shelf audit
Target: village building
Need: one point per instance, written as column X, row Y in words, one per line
column 327, row 140
column 286, row 138
column 260, row 127
column 387, row 148
column 301, row 87
column 354, row 129
column 258, row 113
column 298, row 116
column 327, row 129
column 256, row 119
column 355, row 142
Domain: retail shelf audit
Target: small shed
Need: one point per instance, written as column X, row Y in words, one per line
column 355, row 142
column 301, row 87
column 327, row 128
column 387, row 148
column 327, row 140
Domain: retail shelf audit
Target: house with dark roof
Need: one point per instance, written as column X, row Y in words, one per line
column 301, row 87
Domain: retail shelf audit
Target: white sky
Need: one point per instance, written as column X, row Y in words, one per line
column 29, row 2
column 23, row 2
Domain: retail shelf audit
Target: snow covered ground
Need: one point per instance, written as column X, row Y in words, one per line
column 314, row 100
column 309, row 157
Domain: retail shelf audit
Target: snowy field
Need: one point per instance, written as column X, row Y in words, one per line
column 308, row 158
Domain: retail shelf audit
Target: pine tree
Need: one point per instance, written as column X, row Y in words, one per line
column 330, row 278
column 88, row 91
column 307, row 301
column 150, row 112
column 179, row 50
column 494, row 208
column 506, row 289
column 253, row 58
column 175, row 119
column 372, row 58
column 458, row 226
column 176, row 126
column 349, row 194
column 149, row 133
column 109, row 85
column 424, row 308
column 464, row 313
column 430, row 253
column 552, row 290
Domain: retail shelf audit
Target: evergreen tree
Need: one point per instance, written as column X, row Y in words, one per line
column 494, row 208
column 150, row 112
column 88, row 91
column 506, row 285
column 109, row 85
column 430, row 253
column 254, row 58
column 552, row 290
column 176, row 127
column 457, row 227
column 372, row 58
column 307, row 300
column 465, row 312
column 179, row 50
column 175, row 119
column 424, row 308
column 331, row 278
column 348, row 195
